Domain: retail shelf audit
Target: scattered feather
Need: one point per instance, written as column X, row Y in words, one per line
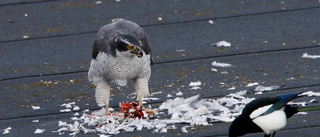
column 184, row 129
column 263, row 88
column 65, row 110
column 311, row 93
column 154, row 93
column 312, row 101
column 7, row 130
column 198, row 83
column 305, row 55
column 195, row 85
column 76, row 108
column 61, row 123
column 39, row 131
column 214, row 70
column 150, row 99
column 195, row 88
column 302, row 113
column 222, row 44
column 70, row 106
column 35, row 107
column 252, row 84
column 180, row 50
column 63, row 129
column 224, row 72
column 86, row 110
column 218, row 64
column 211, row 22
column 179, row 93
column 192, row 111
column 232, row 88
column 103, row 135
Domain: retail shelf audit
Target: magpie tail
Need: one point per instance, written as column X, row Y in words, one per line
column 308, row 108
column 291, row 110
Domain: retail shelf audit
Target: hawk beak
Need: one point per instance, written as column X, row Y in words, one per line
column 137, row 51
column 140, row 54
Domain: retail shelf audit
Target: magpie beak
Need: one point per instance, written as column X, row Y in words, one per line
column 268, row 114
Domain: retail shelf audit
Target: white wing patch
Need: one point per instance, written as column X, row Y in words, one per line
column 259, row 111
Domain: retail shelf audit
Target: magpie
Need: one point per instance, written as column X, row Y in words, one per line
column 267, row 114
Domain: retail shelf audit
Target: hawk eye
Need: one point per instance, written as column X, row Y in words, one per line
column 129, row 47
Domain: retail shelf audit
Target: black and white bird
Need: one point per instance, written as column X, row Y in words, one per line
column 120, row 52
column 268, row 115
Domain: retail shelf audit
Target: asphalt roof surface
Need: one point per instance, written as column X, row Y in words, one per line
column 50, row 41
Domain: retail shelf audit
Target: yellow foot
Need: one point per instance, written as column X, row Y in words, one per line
column 107, row 110
column 140, row 101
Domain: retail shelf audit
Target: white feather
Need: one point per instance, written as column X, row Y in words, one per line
column 259, row 111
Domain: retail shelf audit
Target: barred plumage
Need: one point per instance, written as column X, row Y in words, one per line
column 120, row 52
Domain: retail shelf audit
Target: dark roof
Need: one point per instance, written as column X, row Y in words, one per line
column 51, row 41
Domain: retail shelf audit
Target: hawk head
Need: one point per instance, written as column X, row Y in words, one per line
column 121, row 38
column 120, row 45
column 127, row 45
